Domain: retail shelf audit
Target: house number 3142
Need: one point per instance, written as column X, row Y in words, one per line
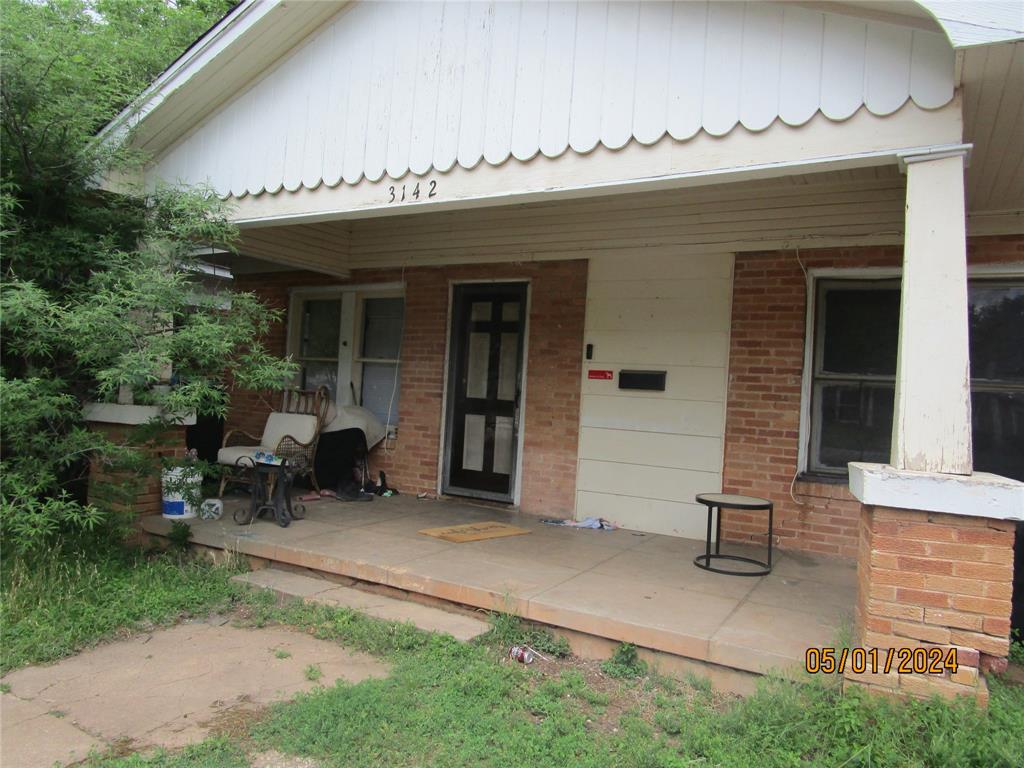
column 404, row 194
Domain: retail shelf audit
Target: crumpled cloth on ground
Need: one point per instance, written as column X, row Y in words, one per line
column 597, row 523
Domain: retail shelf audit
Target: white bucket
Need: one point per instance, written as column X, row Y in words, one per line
column 175, row 507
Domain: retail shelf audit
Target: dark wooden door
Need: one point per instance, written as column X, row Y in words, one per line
column 484, row 388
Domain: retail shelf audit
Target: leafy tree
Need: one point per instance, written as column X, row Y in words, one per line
column 101, row 291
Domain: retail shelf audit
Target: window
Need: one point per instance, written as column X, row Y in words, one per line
column 349, row 340
column 856, row 334
column 319, row 343
column 379, row 352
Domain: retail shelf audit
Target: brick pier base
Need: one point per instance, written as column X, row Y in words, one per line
column 113, row 488
column 934, row 580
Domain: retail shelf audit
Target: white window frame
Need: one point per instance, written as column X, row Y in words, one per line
column 349, row 368
column 981, row 271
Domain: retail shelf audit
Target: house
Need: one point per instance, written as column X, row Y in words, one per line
column 591, row 259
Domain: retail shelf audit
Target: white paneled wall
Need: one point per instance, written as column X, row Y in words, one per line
column 398, row 87
column 643, row 456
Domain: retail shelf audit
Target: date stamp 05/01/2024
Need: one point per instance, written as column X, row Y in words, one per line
column 903, row 661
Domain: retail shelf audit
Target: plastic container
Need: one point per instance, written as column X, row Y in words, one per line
column 176, row 483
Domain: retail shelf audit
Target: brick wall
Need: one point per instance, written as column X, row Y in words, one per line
column 931, row 580
column 765, row 372
column 551, row 408
column 127, row 491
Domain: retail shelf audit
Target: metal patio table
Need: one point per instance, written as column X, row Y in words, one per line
column 722, row 501
column 271, row 492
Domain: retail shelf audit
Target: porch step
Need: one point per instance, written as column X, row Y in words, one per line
column 310, row 589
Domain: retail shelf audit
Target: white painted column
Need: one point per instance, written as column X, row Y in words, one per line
column 932, row 419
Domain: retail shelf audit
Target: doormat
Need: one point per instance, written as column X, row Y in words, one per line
column 460, row 534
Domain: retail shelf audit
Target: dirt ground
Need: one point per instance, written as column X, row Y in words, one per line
column 166, row 688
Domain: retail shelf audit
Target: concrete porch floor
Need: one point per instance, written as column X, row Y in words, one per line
column 619, row 585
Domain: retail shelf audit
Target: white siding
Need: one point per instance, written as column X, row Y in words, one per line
column 392, row 88
column 643, row 456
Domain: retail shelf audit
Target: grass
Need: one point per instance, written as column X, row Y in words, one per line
column 452, row 704
column 56, row 605
column 1017, row 647
column 312, row 673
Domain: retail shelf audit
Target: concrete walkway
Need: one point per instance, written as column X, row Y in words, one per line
column 166, row 688
column 620, row 585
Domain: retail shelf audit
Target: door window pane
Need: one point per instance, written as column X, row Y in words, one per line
column 510, row 311
column 478, row 364
column 381, row 387
column 503, row 447
column 382, row 328
column 507, row 366
column 321, row 328
column 473, row 442
column 481, row 310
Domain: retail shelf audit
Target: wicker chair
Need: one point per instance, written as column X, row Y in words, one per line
column 291, row 433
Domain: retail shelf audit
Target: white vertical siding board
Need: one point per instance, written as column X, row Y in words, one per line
column 501, row 89
column 529, row 88
column 424, row 114
column 296, row 109
column 931, row 69
column 244, row 139
column 722, row 54
column 842, row 66
column 762, row 50
column 378, row 125
column 620, row 74
column 650, row 105
column 354, row 38
column 320, row 120
column 588, row 71
column 408, row 63
column 394, row 87
column 887, row 75
column 686, row 70
column 241, row 116
column 337, row 74
column 451, row 69
column 475, row 83
column 800, row 72
column 556, row 100
column 220, row 170
column 277, row 135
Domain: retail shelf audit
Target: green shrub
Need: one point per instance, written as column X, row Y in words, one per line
column 625, row 663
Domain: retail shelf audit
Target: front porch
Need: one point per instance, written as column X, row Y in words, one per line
column 620, row 586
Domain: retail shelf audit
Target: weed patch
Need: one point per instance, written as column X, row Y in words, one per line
column 56, row 604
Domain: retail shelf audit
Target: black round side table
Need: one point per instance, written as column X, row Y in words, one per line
column 722, row 501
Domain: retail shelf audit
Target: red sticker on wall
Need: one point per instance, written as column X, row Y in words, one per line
column 602, row 375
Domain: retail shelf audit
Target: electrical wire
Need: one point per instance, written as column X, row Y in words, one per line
column 398, row 365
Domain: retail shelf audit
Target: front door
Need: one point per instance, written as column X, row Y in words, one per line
column 484, row 385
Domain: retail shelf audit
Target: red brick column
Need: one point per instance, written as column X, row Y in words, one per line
column 114, row 489
column 930, row 580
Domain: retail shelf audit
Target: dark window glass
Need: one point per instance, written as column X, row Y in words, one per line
column 861, row 331
column 856, row 423
column 997, row 332
column 321, row 328
column 997, row 427
column 855, row 365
